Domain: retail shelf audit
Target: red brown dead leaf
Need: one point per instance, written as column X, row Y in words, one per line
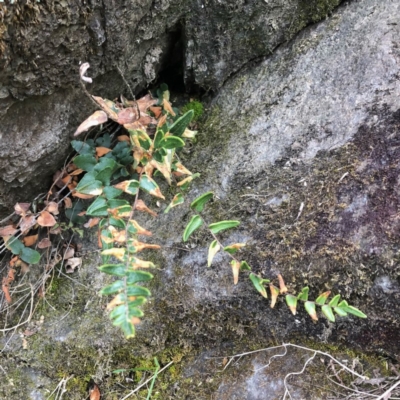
column 13, row 261
column 140, row 230
column 76, row 172
column 97, row 118
column 22, row 208
column 94, row 393
column 27, row 222
column 101, row 151
column 69, row 253
column 282, row 286
column 66, row 180
column 67, row 202
column 135, row 320
column 141, row 206
column 156, row 111
column 46, row 219
column 127, row 115
column 167, row 107
column 7, row 280
column 30, row 240
column 108, row 106
column 56, row 230
column 8, row 230
column 44, row 243
column 162, row 121
column 57, row 179
column 52, row 207
column 139, row 246
column 145, row 102
column 82, row 195
column 123, row 138
column 116, row 301
column 92, row 222
column 235, row 270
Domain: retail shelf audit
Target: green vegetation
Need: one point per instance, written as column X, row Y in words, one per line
column 197, row 108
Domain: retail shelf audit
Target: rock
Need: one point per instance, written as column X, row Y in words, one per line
column 43, row 43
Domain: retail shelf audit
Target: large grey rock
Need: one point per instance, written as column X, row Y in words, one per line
column 42, row 44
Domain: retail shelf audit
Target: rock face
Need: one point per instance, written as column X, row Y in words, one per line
column 42, row 44
column 303, row 148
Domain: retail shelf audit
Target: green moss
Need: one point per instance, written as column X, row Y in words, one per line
column 197, row 108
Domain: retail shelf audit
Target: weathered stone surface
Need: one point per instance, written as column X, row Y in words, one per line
column 42, row 44
column 303, row 148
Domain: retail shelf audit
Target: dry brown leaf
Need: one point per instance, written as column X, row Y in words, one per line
column 22, row 208
column 141, row 206
column 162, row 121
column 76, row 172
column 6, row 284
column 127, row 116
column 123, row 138
column 46, row 219
column 140, row 230
column 72, row 264
column 27, row 222
column 83, row 196
column 30, row 240
column 94, row 393
column 167, row 107
column 66, row 180
column 8, row 230
column 67, row 202
column 52, row 207
column 235, row 270
column 101, row 151
column 92, row 222
column 282, row 286
column 97, row 118
column 44, row 243
column 145, row 102
column 69, row 253
column 156, row 111
column 108, row 106
column 56, row 230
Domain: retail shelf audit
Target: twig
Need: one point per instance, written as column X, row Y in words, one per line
column 147, row 381
column 385, row 395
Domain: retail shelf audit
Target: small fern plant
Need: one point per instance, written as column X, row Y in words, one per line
column 341, row 308
column 107, row 168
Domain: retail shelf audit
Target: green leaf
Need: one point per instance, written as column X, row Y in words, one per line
column 72, row 213
column 212, row 251
column 82, row 147
column 258, row 284
column 181, row 123
column 135, row 312
column 105, row 168
column 339, row 311
column 150, row 186
column 86, row 162
column 111, row 192
column 334, row 302
column 291, row 301
column 14, row 245
column 138, row 276
column 354, row 311
column 30, row 256
column 135, row 290
column 117, row 222
column 303, row 295
column 139, row 301
column 114, row 269
column 98, row 208
column 112, row 288
column 158, row 138
column 246, row 267
column 321, row 299
column 195, row 223
column 128, row 328
column 327, row 310
column 89, row 185
column 198, row 204
column 310, row 308
column 178, row 199
column 222, row 225
column 104, row 140
column 115, row 203
column 172, row 142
